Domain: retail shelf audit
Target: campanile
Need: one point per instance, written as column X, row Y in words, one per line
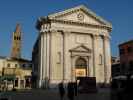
column 16, row 42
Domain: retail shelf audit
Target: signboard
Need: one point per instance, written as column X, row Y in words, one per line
column 87, row 84
column 80, row 72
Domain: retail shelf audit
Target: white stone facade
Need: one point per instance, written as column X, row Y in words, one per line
column 64, row 38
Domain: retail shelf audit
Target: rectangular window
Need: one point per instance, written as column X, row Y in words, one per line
column 24, row 65
column 131, row 66
column 122, row 51
column 8, row 65
column 16, row 83
column 123, row 67
column 16, row 65
column 129, row 49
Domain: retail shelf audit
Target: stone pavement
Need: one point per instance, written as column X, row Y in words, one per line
column 37, row 94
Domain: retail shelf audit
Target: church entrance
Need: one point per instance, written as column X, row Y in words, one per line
column 81, row 67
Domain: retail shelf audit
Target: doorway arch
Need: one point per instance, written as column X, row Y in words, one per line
column 80, row 67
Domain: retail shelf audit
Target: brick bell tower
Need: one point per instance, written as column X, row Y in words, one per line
column 16, row 43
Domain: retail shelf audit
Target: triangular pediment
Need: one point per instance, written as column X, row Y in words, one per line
column 80, row 14
column 80, row 48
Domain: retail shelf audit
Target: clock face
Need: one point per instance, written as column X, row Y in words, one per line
column 80, row 16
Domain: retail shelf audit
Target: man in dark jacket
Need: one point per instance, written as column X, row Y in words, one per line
column 70, row 91
column 61, row 90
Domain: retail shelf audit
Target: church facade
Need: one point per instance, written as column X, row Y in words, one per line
column 72, row 43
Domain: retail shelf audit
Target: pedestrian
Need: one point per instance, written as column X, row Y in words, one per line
column 70, row 91
column 75, row 88
column 128, row 89
column 61, row 90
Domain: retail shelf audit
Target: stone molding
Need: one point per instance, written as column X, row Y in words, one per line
column 82, row 24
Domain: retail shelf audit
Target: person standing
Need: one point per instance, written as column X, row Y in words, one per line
column 61, row 90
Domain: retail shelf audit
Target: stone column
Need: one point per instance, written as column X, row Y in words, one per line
column 88, row 66
column 40, row 62
column 45, row 60
column 94, row 46
column 67, row 55
column 72, row 68
column 64, row 69
column 50, row 72
column 107, row 59
column 47, row 53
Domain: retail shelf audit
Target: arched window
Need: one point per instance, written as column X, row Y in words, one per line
column 81, row 63
column 14, row 37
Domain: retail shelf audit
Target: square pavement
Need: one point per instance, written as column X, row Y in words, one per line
column 52, row 94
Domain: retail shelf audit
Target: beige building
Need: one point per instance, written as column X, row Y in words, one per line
column 72, row 43
column 2, row 59
column 16, row 73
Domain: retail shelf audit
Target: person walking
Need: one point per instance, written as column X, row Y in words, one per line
column 61, row 90
column 75, row 88
column 70, row 91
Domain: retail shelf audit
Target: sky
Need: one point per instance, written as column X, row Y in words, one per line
column 26, row 12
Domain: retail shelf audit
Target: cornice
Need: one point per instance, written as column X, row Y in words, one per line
column 70, row 22
column 54, row 18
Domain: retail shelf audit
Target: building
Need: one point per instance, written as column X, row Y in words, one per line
column 16, row 42
column 72, row 43
column 15, row 71
column 1, row 64
column 126, row 57
column 115, row 66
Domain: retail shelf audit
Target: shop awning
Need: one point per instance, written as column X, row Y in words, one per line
column 8, row 77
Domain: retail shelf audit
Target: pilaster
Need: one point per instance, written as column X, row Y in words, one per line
column 95, row 55
column 107, row 59
column 41, row 61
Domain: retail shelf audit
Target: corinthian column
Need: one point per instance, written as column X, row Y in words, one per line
column 107, row 59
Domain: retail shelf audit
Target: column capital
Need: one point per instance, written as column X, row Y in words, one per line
column 45, row 27
column 105, row 37
column 53, row 30
column 94, row 36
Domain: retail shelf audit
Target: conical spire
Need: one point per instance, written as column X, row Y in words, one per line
column 18, row 28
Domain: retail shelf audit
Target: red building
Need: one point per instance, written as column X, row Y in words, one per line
column 126, row 57
column 115, row 70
